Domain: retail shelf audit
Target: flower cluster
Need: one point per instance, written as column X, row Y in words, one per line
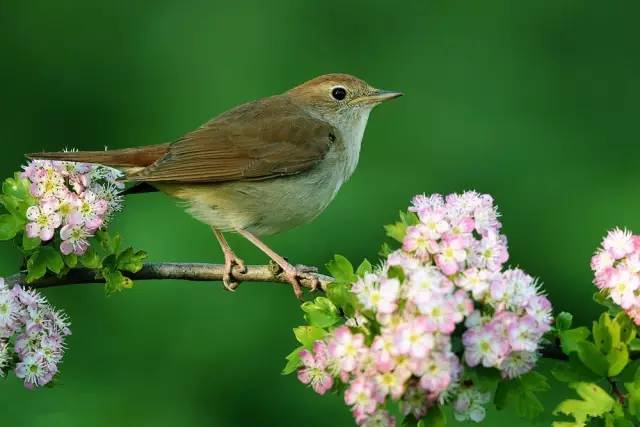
column 31, row 335
column 616, row 265
column 78, row 198
column 446, row 281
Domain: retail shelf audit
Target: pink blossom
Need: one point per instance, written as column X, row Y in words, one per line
column 484, row 346
column 43, row 220
column 346, row 348
column 618, row 243
column 361, row 396
column 452, row 254
column 314, row 370
column 414, row 338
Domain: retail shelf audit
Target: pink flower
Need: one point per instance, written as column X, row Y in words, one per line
column 476, row 281
column 380, row 297
column 392, row 383
column 74, row 238
column 91, row 211
column 491, row 253
column 314, row 370
column 523, row 334
column 361, row 396
column 414, row 338
column 618, row 243
column 383, row 352
column 439, row 313
column 426, row 282
column 622, row 286
column 44, row 220
column 434, row 224
column 417, row 241
column 437, row 372
column 452, row 254
column 484, row 346
column 346, row 348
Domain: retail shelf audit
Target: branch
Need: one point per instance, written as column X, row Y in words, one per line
column 198, row 272
column 201, row 272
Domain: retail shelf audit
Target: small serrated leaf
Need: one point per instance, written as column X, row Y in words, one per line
column 10, row 225
column 591, row 357
column 307, row 335
column 36, row 267
column 293, row 361
column 341, row 269
column 570, row 338
column 364, row 267
column 564, row 321
column 90, row 259
column 595, row 402
column 320, row 312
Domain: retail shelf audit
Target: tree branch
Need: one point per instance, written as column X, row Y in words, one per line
column 173, row 271
column 201, row 272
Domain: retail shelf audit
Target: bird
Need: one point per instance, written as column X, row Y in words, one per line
column 258, row 169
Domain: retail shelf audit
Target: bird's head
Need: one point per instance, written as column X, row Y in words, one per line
column 339, row 98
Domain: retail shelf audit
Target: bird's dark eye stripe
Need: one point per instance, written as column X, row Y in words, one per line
column 339, row 93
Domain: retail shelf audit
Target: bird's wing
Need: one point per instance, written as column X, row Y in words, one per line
column 259, row 140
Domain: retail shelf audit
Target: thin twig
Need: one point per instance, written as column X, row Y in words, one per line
column 174, row 271
column 202, row 272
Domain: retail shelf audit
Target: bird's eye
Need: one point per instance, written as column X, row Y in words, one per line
column 339, row 93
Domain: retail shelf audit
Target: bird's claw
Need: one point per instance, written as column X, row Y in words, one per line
column 231, row 262
column 296, row 274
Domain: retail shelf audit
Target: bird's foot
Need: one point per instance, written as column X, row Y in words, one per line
column 295, row 275
column 232, row 264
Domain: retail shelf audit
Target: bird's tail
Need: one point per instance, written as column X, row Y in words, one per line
column 126, row 158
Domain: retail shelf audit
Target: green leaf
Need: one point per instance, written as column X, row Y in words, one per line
column 52, row 258
column 606, row 333
column 627, row 327
column 520, row 393
column 115, row 281
column 341, row 269
column 9, row 226
column 396, row 231
column 321, row 312
column 633, row 396
column 485, row 379
column 131, row 261
column 570, row 338
column 435, row 417
column 342, row 297
column 109, row 243
column 90, row 259
column 591, row 357
column 617, row 359
column 70, row 260
column 307, row 335
column 563, row 321
column 409, row 218
column 384, row 250
column 36, row 267
column 572, row 371
column 634, row 344
column 595, row 402
column 293, row 361
column 603, row 299
column 28, row 243
column 364, row 267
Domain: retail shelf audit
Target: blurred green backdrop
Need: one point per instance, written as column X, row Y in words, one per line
column 534, row 102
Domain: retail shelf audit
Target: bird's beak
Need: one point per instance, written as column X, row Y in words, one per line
column 377, row 96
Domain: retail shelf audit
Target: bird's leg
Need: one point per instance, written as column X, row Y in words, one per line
column 231, row 260
column 291, row 273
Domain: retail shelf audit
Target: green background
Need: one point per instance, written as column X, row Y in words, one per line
column 534, row 102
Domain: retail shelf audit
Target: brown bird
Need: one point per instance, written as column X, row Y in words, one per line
column 260, row 168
